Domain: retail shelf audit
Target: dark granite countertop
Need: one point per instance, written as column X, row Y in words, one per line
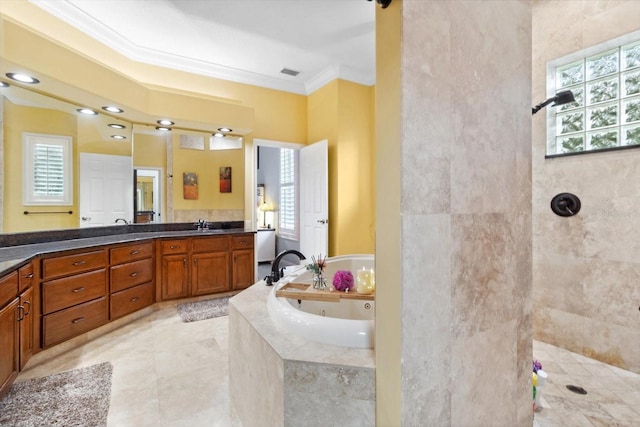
column 12, row 257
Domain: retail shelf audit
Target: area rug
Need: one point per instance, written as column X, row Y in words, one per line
column 74, row 398
column 201, row 310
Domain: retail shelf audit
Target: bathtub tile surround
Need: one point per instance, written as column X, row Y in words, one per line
column 279, row 378
column 465, row 282
column 585, row 268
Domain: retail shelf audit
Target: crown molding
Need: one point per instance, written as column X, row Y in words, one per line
column 95, row 29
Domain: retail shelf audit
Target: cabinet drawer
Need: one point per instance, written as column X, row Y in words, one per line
column 131, row 253
column 174, row 246
column 60, row 326
column 26, row 276
column 211, row 244
column 134, row 273
column 130, row 300
column 66, row 292
column 242, row 242
column 72, row 264
column 8, row 288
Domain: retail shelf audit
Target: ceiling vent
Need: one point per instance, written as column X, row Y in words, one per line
column 290, row 72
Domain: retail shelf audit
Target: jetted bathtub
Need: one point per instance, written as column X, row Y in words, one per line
column 347, row 323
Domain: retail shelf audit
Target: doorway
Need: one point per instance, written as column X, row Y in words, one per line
column 147, row 198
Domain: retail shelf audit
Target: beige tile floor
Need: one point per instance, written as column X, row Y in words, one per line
column 612, row 399
column 170, row 373
column 165, row 372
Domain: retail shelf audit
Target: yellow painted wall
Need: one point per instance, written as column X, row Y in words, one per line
column 206, row 164
column 19, row 119
column 388, row 220
column 149, row 150
column 341, row 112
column 354, row 168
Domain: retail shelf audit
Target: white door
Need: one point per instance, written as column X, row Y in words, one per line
column 314, row 200
column 106, row 189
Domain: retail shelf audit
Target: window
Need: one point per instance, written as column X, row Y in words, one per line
column 288, row 223
column 605, row 81
column 47, row 171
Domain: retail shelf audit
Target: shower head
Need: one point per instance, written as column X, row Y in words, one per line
column 564, row 97
column 561, row 98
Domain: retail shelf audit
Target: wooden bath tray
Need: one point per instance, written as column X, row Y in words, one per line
column 304, row 291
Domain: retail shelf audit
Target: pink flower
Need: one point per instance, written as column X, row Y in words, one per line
column 343, row 280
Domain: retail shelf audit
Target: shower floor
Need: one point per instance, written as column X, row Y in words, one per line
column 612, row 399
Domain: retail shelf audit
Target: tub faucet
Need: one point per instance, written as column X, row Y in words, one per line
column 276, row 272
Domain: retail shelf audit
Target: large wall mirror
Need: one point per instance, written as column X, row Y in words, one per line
column 122, row 172
column 101, row 158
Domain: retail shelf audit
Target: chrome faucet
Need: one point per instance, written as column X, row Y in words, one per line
column 202, row 225
column 121, row 219
column 276, row 272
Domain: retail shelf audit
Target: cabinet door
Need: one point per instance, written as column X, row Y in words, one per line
column 26, row 326
column 9, row 343
column 210, row 273
column 175, row 276
column 242, row 268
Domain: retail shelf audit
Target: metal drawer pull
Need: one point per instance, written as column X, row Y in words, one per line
column 136, row 252
column 78, row 320
column 21, row 314
column 134, row 274
column 27, row 303
column 174, row 247
column 29, row 276
column 76, row 290
column 77, row 263
column 134, row 299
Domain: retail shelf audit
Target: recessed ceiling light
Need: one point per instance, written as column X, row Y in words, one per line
column 116, row 126
column 88, row 111
column 3, row 84
column 163, row 128
column 112, row 109
column 118, row 137
column 218, row 135
column 22, row 78
column 165, row 122
column 225, row 129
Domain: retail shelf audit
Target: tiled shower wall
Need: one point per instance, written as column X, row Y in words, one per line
column 586, row 268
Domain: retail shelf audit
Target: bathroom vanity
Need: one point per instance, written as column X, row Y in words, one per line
column 55, row 291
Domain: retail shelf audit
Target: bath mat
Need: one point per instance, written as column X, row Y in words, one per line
column 74, row 398
column 202, row 310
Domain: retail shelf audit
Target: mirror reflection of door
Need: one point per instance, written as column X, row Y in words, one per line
column 147, row 198
column 105, row 189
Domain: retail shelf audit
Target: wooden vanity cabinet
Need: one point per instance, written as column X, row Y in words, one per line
column 205, row 265
column 74, row 295
column 209, row 265
column 131, row 278
column 242, row 261
column 17, row 310
column 174, row 268
column 9, row 331
column 28, row 310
